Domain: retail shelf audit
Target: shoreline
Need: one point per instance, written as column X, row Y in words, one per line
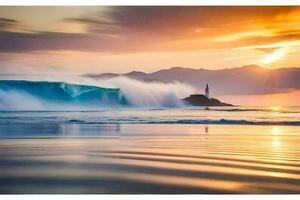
column 73, row 131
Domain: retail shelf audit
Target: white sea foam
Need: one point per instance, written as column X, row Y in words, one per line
column 150, row 94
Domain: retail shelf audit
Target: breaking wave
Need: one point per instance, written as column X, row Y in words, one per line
column 43, row 95
column 28, row 95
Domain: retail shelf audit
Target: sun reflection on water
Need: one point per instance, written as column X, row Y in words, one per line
column 276, row 131
column 276, row 143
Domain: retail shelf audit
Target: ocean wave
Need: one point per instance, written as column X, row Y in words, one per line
column 254, row 110
column 234, row 122
column 188, row 121
column 27, row 95
column 75, row 121
column 43, row 95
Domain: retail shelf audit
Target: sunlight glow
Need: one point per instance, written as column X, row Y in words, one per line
column 276, row 108
column 276, row 130
column 242, row 35
column 276, row 55
column 276, row 143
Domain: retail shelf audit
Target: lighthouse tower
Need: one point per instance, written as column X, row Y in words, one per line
column 207, row 91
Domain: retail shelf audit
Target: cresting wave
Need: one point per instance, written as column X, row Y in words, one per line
column 43, row 95
column 86, row 95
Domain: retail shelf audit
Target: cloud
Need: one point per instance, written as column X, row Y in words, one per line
column 6, row 24
column 265, row 43
column 176, row 17
column 45, row 41
column 99, row 26
column 268, row 50
column 152, row 29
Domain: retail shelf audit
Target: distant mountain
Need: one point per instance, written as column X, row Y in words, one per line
column 250, row 79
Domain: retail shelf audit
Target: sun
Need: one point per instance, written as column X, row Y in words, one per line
column 276, row 55
column 275, row 108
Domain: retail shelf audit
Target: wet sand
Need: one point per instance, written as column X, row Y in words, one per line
column 147, row 159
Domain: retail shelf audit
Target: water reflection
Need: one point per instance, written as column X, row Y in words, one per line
column 153, row 159
column 206, row 129
column 89, row 130
column 276, row 130
column 57, row 130
column 276, row 143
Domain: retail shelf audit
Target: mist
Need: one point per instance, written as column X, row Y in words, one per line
column 17, row 100
column 150, row 94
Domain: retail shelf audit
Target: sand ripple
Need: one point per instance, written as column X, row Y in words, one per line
column 186, row 163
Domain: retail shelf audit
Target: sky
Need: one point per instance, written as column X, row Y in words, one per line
column 76, row 40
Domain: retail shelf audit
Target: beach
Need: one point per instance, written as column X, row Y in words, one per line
column 150, row 99
column 153, row 159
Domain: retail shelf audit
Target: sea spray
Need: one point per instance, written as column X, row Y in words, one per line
column 89, row 94
column 150, row 94
column 19, row 100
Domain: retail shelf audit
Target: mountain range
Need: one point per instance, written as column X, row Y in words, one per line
column 245, row 80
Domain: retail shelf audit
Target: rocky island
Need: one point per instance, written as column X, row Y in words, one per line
column 203, row 100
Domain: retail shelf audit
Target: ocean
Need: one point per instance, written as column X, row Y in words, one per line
column 24, row 124
column 151, row 151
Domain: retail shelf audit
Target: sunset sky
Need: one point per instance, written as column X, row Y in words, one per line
column 121, row 39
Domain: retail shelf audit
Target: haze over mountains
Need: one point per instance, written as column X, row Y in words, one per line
column 245, row 80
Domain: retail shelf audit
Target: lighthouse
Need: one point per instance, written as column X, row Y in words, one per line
column 207, row 91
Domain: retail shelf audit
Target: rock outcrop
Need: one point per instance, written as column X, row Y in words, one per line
column 202, row 100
